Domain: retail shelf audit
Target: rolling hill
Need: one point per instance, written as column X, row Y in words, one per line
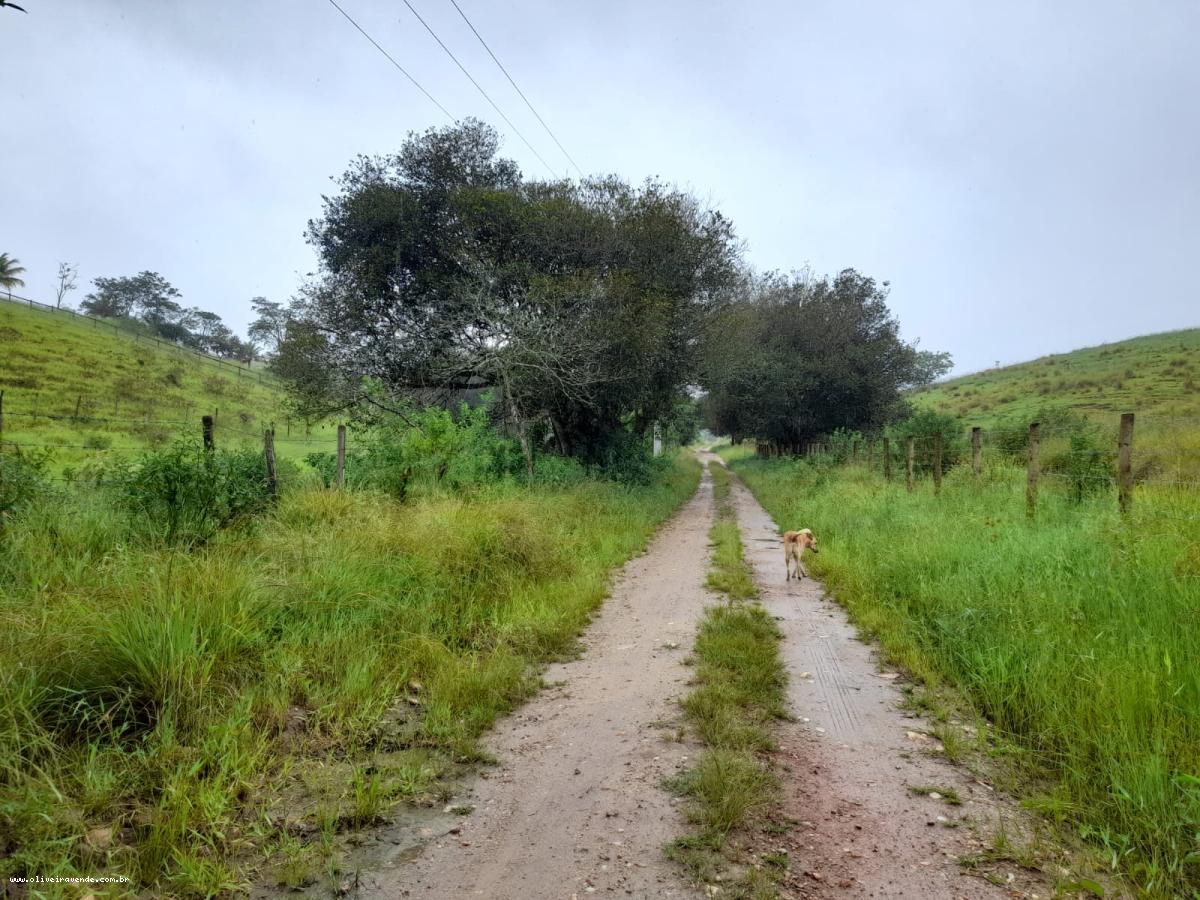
column 1156, row 376
column 83, row 388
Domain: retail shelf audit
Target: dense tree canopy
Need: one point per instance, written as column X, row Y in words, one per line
column 798, row 358
column 590, row 310
column 149, row 301
column 580, row 305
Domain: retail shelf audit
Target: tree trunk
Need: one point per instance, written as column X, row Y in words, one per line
column 522, row 431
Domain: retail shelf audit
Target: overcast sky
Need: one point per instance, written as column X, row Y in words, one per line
column 1027, row 175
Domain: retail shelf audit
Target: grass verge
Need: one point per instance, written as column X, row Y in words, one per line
column 739, row 691
column 1074, row 634
column 196, row 720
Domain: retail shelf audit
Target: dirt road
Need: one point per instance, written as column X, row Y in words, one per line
column 575, row 806
column 855, row 757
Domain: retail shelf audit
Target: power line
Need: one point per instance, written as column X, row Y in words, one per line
column 391, row 60
column 514, row 128
column 516, row 88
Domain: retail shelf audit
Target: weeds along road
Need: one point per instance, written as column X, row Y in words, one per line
column 576, row 806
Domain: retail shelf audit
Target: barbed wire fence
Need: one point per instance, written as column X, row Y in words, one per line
column 138, row 337
column 98, row 445
column 1111, row 462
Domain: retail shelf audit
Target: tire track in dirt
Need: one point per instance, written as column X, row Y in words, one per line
column 850, row 760
column 575, row 807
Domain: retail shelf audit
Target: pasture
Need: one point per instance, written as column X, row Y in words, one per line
column 85, row 389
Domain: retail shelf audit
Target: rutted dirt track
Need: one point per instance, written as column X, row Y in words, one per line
column 855, row 756
column 575, row 806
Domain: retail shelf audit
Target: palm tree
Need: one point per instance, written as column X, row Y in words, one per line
column 9, row 270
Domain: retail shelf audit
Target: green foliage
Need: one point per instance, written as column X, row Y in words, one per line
column 431, row 448
column 1070, row 633
column 1085, row 464
column 10, row 272
column 127, row 401
column 739, row 691
column 23, row 478
column 795, row 359
column 627, row 457
column 185, row 494
column 442, row 269
column 1154, row 376
column 179, row 693
column 926, row 427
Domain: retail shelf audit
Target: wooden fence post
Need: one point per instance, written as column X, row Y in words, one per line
column 937, row 463
column 341, row 457
column 887, row 459
column 1, row 416
column 911, row 451
column 78, row 401
column 269, row 453
column 976, row 449
column 870, row 454
column 206, row 425
column 1125, row 464
column 1031, row 485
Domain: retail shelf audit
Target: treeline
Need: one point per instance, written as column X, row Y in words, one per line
column 589, row 313
column 149, row 302
column 800, row 358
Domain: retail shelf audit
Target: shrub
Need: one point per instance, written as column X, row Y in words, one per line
column 22, row 478
column 185, row 494
column 97, row 442
column 1086, row 467
column 627, row 458
column 924, row 427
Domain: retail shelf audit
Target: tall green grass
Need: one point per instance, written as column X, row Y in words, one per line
column 166, row 698
column 1077, row 634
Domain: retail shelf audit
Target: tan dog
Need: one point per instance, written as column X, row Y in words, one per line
column 794, row 545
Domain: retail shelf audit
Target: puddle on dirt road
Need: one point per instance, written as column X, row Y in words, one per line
column 372, row 849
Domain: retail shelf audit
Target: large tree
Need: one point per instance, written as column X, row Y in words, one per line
column 146, row 295
column 797, row 358
column 579, row 305
column 269, row 327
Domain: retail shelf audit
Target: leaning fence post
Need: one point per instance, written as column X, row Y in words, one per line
column 976, row 449
column 269, row 453
column 937, row 463
column 206, row 425
column 887, row 459
column 1031, row 485
column 911, row 451
column 341, row 457
column 1125, row 464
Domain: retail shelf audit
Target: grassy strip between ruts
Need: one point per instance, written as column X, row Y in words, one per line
column 738, row 693
column 195, row 721
column 1075, row 634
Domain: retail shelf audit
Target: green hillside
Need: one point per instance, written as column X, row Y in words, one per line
column 1156, row 376
column 84, row 388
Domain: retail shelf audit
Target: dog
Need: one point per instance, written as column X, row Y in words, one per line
column 794, row 545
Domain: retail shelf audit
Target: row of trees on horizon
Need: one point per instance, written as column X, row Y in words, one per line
column 591, row 310
column 149, row 302
column 587, row 311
